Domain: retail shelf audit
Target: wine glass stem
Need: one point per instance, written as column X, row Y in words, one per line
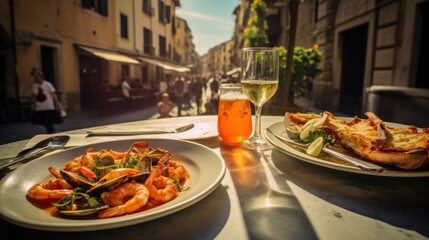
column 258, row 111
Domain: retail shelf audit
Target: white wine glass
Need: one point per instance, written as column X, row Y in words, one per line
column 259, row 80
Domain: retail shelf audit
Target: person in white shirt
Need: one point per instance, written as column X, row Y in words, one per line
column 45, row 105
column 165, row 106
column 126, row 88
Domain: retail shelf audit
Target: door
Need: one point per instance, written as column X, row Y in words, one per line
column 90, row 69
column 353, row 54
column 48, row 58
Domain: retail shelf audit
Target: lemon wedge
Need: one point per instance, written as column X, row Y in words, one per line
column 312, row 121
column 321, row 122
column 306, row 131
column 315, row 147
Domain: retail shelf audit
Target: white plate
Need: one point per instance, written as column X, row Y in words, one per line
column 206, row 168
column 279, row 128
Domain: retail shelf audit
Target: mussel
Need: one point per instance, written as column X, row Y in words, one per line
column 77, row 180
column 79, row 203
column 98, row 188
column 144, row 166
column 83, row 212
column 157, row 153
column 102, row 164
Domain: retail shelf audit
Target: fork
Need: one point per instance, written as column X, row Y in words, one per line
column 30, row 155
column 364, row 165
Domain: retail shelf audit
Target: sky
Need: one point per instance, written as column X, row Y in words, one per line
column 211, row 21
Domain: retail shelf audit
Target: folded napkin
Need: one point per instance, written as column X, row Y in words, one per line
column 200, row 130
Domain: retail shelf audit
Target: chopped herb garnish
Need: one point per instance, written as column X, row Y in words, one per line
column 313, row 135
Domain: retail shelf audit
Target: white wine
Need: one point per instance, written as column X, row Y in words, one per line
column 259, row 91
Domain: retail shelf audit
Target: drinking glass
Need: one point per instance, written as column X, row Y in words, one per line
column 234, row 115
column 260, row 77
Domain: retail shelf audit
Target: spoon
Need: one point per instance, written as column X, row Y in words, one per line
column 364, row 165
column 42, row 147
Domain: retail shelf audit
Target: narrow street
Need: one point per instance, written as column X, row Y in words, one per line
column 17, row 131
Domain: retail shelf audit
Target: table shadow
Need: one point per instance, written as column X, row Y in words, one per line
column 398, row 201
column 268, row 214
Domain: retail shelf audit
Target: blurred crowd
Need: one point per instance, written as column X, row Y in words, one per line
column 191, row 91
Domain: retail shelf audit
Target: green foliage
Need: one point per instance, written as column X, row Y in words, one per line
column 305, row 68
column 255, row 32
column 313, row 135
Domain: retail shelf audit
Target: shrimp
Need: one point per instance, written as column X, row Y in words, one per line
column 161, row 189
column 50, row 190
column 175, row 170
column 137, row 194
column 83, row 164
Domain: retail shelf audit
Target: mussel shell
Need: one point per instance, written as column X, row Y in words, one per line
column 108, row 185
column 141, row 177
column 144, row 164
column 105, row 160
column 77, row 180
column 83, row 212
column 157, row 154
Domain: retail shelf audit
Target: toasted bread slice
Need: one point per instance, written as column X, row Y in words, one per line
column 369, row 138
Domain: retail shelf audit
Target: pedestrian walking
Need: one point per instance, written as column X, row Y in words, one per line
column 186, row 94
column 45, row 104
column 126, row 91
column 198, row 92
column 214, row 86
column 179, row 85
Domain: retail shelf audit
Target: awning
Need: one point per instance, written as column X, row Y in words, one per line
column 234, row 70
column 109, row 55
column 165, row 65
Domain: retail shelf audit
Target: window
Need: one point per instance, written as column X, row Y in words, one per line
column 147, row 41
column 98, row 6
column 161, row 11
column 167, row 14
column 124, row 26
column 173, row 25
column 315, row 11
column 162, row 47
column 147, row 8
column 125, row 70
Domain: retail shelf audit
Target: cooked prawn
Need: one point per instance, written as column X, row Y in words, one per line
column 175, row 170
column 137, row 194
column 50, row 190
column 161, row 189
column 83, row 164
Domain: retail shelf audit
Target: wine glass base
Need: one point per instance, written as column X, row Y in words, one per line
column 259, row 144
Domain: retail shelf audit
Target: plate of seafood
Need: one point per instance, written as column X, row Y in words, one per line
column 110, row 184
column 398, row 150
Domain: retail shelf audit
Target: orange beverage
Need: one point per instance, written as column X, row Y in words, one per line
column 234, row 116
